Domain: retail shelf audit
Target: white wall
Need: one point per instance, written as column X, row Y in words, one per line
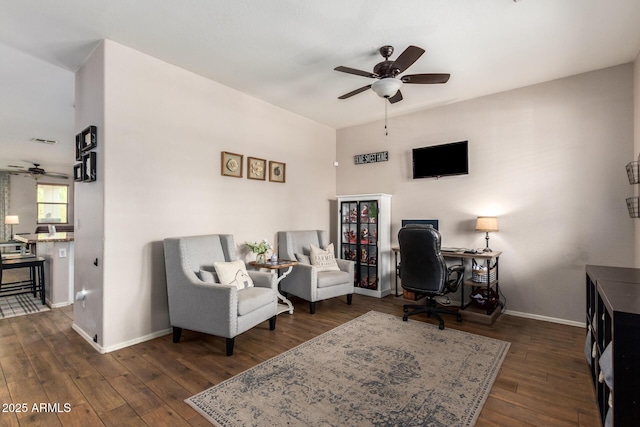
column 88, row 316
column 36, row 101
column 636, row 127
column 548, row 160
column 24, row 200
column 163, row 133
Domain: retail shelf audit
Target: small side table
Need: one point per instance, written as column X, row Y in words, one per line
column 280, row 267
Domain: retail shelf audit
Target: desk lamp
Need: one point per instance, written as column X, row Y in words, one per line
column 11, row 220
column 487, row 224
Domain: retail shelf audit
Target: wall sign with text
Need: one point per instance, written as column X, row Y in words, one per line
column 361, row 159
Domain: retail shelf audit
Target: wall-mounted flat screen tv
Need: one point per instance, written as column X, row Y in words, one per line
column 441, row 160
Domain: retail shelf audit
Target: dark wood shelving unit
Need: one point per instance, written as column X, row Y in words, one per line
column 613, row 318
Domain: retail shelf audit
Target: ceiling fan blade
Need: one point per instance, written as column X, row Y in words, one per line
column 356, row 72
column 425, row 78
column 407, row 58
column 56, row 175
column 354, row 92
column 395, row 98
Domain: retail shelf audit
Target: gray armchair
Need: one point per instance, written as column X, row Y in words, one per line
column 305, row 281
column 210, row 307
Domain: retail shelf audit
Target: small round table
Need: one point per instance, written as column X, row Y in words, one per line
column 279, row 266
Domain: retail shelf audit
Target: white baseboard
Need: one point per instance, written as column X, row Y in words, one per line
column 118, row 346
column 57, row 305
column 139, row 340
column 88, row 338
column 545, row 318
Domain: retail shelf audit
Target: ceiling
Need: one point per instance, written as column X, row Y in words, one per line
column 284, row 52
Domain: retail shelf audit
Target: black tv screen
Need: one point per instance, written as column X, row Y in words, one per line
column 441, row 160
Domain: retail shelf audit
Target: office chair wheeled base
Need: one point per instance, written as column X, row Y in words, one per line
column 431, row 309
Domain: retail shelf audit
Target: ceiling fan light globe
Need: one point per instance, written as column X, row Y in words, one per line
column 387, row 87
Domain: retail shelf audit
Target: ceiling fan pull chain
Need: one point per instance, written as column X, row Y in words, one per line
column 386, row 131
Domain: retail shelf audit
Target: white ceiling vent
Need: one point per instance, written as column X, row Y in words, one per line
column 45, row 141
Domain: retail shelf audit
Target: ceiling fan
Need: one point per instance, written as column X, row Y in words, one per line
column 36, row 172
column 387, row 72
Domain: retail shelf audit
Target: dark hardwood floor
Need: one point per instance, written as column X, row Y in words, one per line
column 544, row 380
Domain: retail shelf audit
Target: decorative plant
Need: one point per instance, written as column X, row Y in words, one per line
column 260, row 248
column 373, row 210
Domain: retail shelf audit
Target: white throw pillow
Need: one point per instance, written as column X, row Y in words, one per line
column 324, row 260
column 233, row 273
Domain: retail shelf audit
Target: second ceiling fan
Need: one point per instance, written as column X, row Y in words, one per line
column 387, row 72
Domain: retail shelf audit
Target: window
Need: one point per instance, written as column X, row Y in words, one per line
column 52, row 203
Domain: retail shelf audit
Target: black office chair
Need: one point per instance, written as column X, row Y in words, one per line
column 423, row 270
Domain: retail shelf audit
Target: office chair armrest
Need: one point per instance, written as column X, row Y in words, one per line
column 454, row 282
column 458, row 268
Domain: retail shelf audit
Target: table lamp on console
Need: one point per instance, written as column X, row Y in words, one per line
column 11, row 220
column 487, row 224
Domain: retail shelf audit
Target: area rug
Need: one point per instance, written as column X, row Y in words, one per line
column 375, row 370
column 19, row 305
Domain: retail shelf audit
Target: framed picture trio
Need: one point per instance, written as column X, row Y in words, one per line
column 86, row 141
column 232, row 164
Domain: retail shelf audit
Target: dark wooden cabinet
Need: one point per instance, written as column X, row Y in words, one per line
column 613, row 318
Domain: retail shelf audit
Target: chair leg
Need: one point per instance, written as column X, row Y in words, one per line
column 272, row 323
column 440, row 320
column 312, row 307
column 430, row 308
column 349, row 299
column 417, row 309
column 230, row 342
column 177, row 333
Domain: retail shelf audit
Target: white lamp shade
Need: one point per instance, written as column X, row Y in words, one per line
column 386, row 87
column 487, row 223
column 11, row 220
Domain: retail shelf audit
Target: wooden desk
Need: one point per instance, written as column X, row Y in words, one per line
column 486, row 257
column 36, row 282
column 279, row 268
column 462, row 255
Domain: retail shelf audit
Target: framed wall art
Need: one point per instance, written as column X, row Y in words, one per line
column 89, row 138
column 256, row 168
column 277, row 171
column 89, row 167
column 78, row 147
column 232, row 164
column 78, row 173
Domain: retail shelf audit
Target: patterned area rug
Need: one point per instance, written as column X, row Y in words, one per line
column 18, row 305
column 375, row 370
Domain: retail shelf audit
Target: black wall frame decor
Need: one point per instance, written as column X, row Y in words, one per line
column 89, row 138
column 85, row 170
column 89, row 166
column 78, row 173
column 78, row 147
